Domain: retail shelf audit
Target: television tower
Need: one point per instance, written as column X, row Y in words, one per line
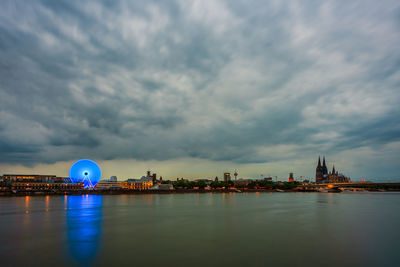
column 236, row 174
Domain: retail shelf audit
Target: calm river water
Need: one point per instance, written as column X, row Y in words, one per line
column 248, row 229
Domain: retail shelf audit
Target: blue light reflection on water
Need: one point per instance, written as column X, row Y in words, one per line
column 84, row 216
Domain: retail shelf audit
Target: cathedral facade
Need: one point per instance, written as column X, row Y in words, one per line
column 323, row 176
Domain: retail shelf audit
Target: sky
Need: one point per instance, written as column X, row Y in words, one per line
column 195, row 88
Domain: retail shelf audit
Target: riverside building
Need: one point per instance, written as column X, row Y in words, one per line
column 323, row 176
column 30, row 178
column 111, row 184
column 49, row 186
column 227, row 176
column 34, row 182
column 144, row 183
column 163, row 187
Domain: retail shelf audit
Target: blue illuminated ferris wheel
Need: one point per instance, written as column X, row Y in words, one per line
column 85, row 171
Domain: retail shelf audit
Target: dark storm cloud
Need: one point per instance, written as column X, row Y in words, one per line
column 219, row 80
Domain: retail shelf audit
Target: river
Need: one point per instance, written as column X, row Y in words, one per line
column 210, row 229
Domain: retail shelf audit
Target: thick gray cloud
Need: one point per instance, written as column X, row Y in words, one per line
column 240, row 81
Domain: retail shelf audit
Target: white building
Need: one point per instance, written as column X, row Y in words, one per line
column 108, row 185
column 162, row 187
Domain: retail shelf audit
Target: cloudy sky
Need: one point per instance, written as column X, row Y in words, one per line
column 195, row 88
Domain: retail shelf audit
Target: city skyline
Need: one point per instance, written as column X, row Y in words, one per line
column 194, row 89
column 136, row 172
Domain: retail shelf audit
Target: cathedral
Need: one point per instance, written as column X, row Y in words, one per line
column 323, row 176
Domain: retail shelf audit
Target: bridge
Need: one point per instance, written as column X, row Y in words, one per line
column 356, row 185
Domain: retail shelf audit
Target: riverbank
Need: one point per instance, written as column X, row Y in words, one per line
column 136, row 192
column 183, row 191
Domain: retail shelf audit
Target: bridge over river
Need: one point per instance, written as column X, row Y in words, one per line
column 356, row 185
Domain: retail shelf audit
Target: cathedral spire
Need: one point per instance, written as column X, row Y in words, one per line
column 324, row 168
column 319, row 161
column 333, row 170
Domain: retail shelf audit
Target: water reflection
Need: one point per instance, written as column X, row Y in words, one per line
column 84, row 215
